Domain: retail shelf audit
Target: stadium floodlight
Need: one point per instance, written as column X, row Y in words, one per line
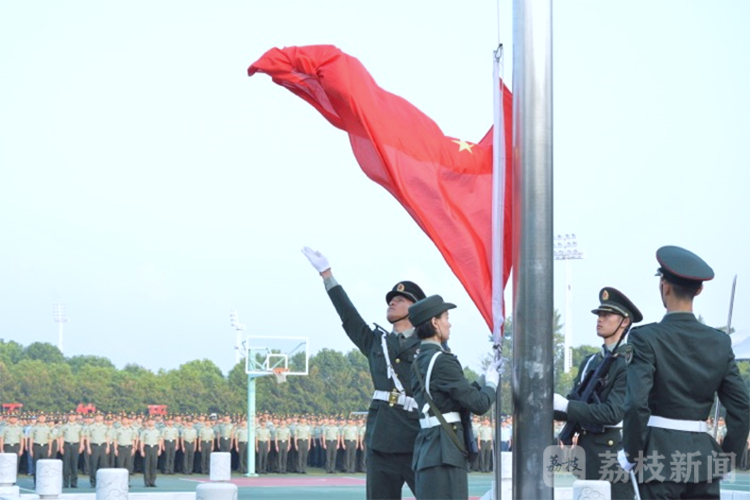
column 566, row 248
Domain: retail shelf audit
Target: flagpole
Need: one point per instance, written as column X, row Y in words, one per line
column 532, row 245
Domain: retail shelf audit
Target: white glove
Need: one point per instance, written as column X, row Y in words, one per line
column 317, row 259
column 560, row 403
column 624, row 463
column 492, row 376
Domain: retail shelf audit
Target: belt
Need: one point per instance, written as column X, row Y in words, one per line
column 618, row 425
column 403, row 400
column 69, row 442
column 428, row 422
column 98, row 444
column 677, row 425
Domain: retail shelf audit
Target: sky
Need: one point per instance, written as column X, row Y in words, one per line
column 149, row 185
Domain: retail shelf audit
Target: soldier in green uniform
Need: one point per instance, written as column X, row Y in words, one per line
column 262, row 446
column 151, row 446
column 125, row 440
column 302, row 441
column 441, row 469
column 171, row 438
column 189, row 443
column 241, row 437
column 40, row 441
column 283, row 445
column 97, row 446
column 392, row 420
column 349, row 439
column 207, row 437
column 72, row 446
column 601, row 422
column 678, row 365
column 12, row 439
column 226, row 433
column 485, row 434
column 331, row 443
column 112, row 440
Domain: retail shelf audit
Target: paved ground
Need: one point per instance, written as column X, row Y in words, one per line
column 316, row 485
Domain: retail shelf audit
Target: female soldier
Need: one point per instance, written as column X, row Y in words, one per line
column 440, row 466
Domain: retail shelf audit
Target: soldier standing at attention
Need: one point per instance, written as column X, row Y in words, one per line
column 241, row 437
column 601, row 423
column 112, row 440
column 331, row 444
column 484, row 441
column 283, row 445
column 151, row 446
column 392, row 420
column 40, row 441
column 171, row 438
column 349, row 439
column 678, row 365
column 262, row 446
column 302, row 441
column 207, row 437
column 226, row 433
column 97, row 447
column 188, row 442
column 11, row 438
column 72, row 446
column 125, row 440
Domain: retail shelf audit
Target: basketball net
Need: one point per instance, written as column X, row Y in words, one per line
column 280, row 374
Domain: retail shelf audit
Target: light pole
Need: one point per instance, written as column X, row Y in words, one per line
column 58, row 313
column 234, row 320
column 566, row 248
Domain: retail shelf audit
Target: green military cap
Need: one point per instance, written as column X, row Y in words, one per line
column 407, row 289
column 682, row 267
column 612, row 300
column 428, row 308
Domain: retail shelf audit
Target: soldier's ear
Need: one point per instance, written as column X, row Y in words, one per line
column 699, row 291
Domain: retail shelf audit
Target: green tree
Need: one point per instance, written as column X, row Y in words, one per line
column 44, row 352
column 10, row 352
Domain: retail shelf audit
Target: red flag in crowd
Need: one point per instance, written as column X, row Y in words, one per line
column 445, row 183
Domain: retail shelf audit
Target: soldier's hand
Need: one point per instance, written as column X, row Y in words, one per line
column 317, row 259
column 559, row 403
column 492, row 376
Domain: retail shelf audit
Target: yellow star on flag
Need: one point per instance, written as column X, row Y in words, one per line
column 463, row 145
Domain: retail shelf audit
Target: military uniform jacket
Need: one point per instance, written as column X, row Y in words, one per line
column 451, row 392
column 678, row 364
column 611, row 409
column 390, row 429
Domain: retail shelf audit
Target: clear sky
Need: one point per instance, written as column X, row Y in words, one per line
column 151, row 186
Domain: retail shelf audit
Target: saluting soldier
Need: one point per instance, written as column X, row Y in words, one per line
column 189, row 443
column 678, row 365
column 97, row 446
column 151, row 446
column 302, row 442
column 72, row 446
column 601, row 422
column 207, row 437
column 392, row 421
column 171, row 438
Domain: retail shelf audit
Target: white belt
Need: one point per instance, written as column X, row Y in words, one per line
column 677, row 425
column 403, row 400
column 428, row 422
column 618, row 425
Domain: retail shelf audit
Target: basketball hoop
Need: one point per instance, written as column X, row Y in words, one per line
column 280, row 374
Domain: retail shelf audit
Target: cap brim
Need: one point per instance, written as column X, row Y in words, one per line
column 389, row 296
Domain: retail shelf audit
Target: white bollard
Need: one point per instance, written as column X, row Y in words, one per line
column 221, row 466
column 112, row 484
column 216, row 491
column 584, row 489
column 49, row 479
column 8, row 469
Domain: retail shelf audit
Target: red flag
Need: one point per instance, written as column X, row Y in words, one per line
column 445, row 183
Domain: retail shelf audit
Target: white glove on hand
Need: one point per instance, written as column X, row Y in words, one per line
column 492, row 376
column 560, row 403
column 317, row 259
column 624, row 463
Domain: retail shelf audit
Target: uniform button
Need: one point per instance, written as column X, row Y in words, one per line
column 610, row 443
column 398, row 360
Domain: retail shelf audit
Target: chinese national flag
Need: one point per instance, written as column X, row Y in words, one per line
column 444, row 183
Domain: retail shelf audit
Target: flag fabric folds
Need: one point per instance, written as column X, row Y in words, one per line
column 445, row 183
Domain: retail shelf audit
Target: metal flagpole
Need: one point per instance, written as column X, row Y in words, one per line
column 532, row 245
column 717, row 403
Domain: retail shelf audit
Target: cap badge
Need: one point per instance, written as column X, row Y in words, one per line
column 400, row 287
column 605, row 295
